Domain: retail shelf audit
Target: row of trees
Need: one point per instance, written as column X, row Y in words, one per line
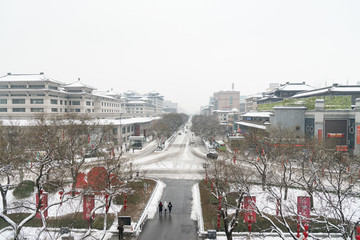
column 169, row 123
column 52, row 151
column 273, row 166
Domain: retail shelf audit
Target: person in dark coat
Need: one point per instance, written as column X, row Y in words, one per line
column 170, row 207
column 160, row 208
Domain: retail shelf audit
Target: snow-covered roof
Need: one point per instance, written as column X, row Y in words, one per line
column 251, row 125
column 78, row 84
column 136, row 102
column 27, row 77
column 257, row 114
column 311, row 93
column 295, row 87
column 335, row 89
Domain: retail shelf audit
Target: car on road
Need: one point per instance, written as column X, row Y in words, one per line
column 212, row 155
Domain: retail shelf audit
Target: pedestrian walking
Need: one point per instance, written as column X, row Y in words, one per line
column 170, row 207
column 165, row 206
column 160, row 208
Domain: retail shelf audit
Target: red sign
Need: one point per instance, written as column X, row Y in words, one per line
column 335, row 135
column 43, row 205
column 319, row 135
column 88, row 206
column 303, row 208
column 249, row 207
column 341, row 148
column 358, row 135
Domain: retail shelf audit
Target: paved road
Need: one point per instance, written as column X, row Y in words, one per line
column 177, row 225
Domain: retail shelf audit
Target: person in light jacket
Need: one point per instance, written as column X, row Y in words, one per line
column 165, row 206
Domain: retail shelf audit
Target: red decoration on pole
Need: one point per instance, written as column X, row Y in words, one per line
column 88, row 206
column 277, row 207
column 303, row 208
column 249, row 227
column 249, row 207
column 89, row 138
column 306, row 228
column 358, row 233
column 234, row 158
column 61, row 195
column 298, row 231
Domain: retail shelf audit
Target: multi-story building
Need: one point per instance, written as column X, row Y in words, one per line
column 251, row 103
column 157, row 100
column 227, row 100
column 170, row 107
column 22, row 96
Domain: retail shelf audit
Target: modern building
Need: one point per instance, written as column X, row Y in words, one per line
column 170, row 107
column 251, row 102
column 226, row 100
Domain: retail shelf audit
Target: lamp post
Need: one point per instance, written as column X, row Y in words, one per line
column 120, row 129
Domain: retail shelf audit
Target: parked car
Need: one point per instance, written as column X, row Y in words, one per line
column 212, row 155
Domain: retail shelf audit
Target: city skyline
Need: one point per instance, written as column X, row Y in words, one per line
column 184, row 50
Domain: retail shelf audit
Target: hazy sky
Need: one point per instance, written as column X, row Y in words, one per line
column 184, row 49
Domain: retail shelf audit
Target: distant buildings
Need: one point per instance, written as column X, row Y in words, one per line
column 226, row 100
column 22, row 96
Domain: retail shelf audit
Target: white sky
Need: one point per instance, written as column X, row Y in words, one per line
column 185, row 50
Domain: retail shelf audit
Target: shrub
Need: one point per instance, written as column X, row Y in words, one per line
column 99, row 221
column 52, row 186
column 24, row 189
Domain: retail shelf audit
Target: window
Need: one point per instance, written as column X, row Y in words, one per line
column 4, row 86
column 37, row 101
column 53, row 101
column 17, row 86
column 77, row 110
column 53, row 87
column 3, row 109
column 123, row 130
column 54, row 110
column 115, row 131
column 37, row 95
column 18, row 101
column 75, row 102
column 18, row 109
column 18, row 95
column 93, row 103
column 37, row 110
column 36, row 86
column 88, row 110
column 128, row 129
column 88, row 103
column 61, row 102
column 3, row 101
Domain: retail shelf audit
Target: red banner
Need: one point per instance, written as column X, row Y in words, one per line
column 44, row 204
column 319, row 135
column 303, row 208
column 249, row 207
column 358, row 135
column 341, row 148
column 88, row 206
